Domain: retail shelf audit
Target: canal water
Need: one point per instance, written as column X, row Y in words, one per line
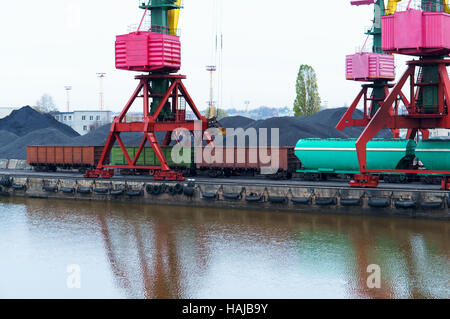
column 67, row 249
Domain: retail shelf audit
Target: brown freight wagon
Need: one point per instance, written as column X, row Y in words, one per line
column 50, row 158
column 250, row 161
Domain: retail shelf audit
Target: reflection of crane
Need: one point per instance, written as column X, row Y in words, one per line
column 145, row 260
column 158, row 270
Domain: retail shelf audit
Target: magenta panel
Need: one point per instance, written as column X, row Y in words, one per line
column 148, row 51
column 388, row 37
column 415, row 32
column 408, row 28
column 437, row 32
column 370, row 66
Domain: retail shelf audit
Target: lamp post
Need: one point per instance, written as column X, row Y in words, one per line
column 68, row 89
column 101, row 76
column 211, row 69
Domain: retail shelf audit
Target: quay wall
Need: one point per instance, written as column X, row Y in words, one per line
column 243, row 195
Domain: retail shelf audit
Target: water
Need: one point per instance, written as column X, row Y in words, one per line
column 137, row 251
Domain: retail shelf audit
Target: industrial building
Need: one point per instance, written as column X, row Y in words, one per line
column 84, row 122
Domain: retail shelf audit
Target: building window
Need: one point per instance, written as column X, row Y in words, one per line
column 85, row 128
column 57, row 118
column 98, row 117
column 65, row 118
column 91, row 118
column 83, row 118
column 70, row 117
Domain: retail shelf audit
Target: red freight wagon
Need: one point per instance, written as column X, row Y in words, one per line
column 250, row 160
column 64, row 157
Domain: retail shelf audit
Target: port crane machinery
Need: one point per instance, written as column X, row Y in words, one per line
column 419, row 30
column 155, row 52
column 374, row 67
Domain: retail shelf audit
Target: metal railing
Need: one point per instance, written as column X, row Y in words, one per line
column 147, row 26
column 425, row 5
column 143, row 3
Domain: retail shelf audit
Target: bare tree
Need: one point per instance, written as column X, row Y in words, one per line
column 46, row 104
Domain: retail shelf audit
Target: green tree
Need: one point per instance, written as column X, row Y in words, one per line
column 308, row 99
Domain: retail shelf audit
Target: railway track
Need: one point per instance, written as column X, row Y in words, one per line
column 334, row 184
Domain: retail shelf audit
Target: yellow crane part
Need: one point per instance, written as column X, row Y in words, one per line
column 447, row 6
column 174, row 17
column 392, row 6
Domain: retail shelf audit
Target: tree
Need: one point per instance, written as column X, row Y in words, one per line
column 219, row 113
column 46, row 104
column 308, row 99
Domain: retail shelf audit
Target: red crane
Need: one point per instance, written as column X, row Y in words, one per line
column 421, row 31
column 157, row 52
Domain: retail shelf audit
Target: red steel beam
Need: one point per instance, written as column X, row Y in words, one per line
column 347, row 120
column 378, row 121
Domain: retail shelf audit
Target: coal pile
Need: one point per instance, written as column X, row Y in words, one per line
column 7, row 137
column 26, row 120
column 319, row 125
column 100, row 135
column 236, row 122
column 27, row 127
column 18, row 148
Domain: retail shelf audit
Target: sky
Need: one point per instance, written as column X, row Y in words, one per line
column 49, row 44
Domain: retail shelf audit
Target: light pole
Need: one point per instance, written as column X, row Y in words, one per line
column 101, row 76
column 211, row 69
column 68, row 89
column 247, row 104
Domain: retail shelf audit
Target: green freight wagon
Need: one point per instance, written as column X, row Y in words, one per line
column 434, row 154
column 338, row 156
column 149, row 158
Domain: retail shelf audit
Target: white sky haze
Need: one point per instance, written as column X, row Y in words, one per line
column 48, row 44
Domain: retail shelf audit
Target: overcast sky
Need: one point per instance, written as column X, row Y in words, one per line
column 48, row 44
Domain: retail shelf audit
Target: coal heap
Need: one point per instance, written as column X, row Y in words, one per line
column 27, row 120
column 26, row 127
column 236, row 122
column 18, row 148
column 100, row 135
column 319, row 125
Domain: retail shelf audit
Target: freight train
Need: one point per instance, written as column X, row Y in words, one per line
column 325, row 158
column 247, row 161
column 311, row 159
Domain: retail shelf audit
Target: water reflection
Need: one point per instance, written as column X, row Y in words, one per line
column 165, row 252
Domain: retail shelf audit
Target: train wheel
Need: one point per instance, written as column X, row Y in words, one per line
column 403, row 179
column 212, row 173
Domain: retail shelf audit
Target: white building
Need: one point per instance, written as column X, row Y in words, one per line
column 84, row 122
column 6, row 111
column 440, row 132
